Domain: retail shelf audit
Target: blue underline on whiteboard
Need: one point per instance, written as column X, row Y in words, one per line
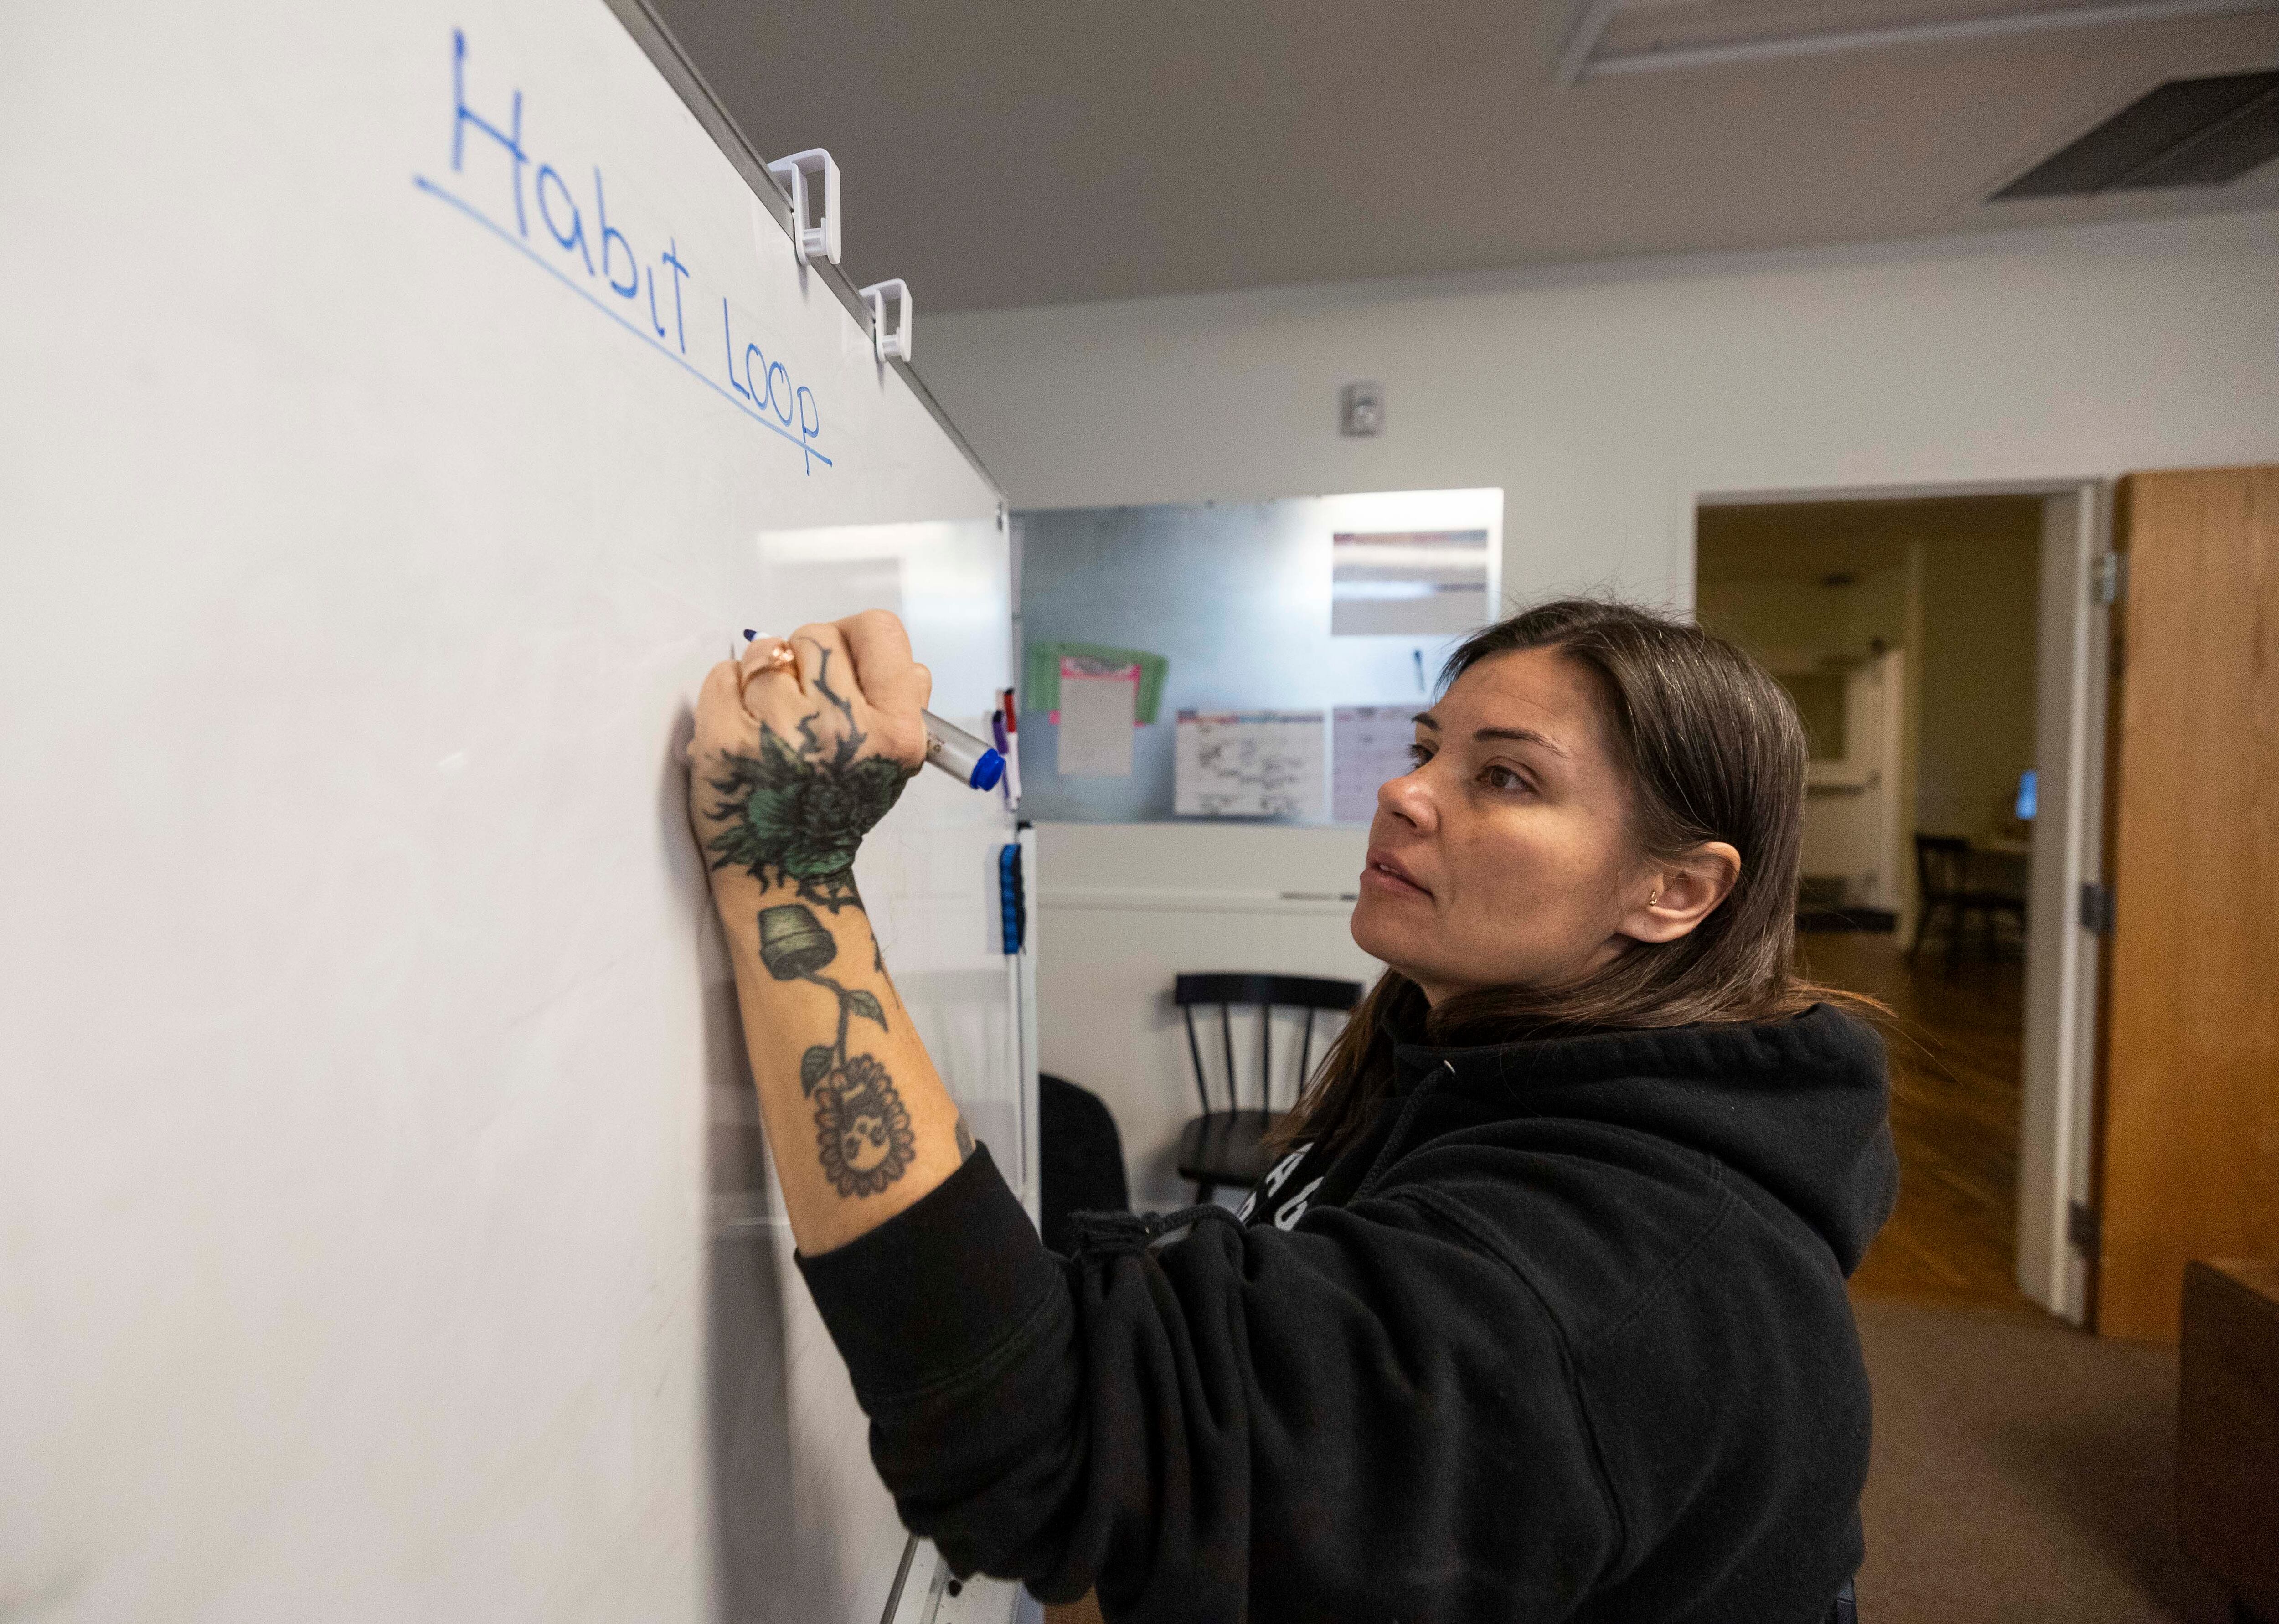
column 588, row 294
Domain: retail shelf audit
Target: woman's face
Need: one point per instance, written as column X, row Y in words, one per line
column 1506, row 857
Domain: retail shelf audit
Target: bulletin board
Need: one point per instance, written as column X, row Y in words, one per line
column 1242, row 600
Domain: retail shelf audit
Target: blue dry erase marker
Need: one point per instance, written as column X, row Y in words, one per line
column 952, row 749
column 961, row 754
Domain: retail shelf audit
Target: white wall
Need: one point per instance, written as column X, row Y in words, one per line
column 1976, row 678
column 1123, row 908
column 1604, row 398
column 1795, row 623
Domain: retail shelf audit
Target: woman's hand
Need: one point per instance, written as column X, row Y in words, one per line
column 800, row 747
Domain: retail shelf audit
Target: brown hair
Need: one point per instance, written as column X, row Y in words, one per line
column 1712, row 750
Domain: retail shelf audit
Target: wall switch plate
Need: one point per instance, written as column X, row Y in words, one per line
column 1360, row 408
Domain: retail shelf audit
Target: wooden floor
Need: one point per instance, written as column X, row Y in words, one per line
column 1956, row 1047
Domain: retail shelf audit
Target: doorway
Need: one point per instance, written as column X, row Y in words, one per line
column 1934, row 645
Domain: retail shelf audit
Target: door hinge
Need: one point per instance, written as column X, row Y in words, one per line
column 2108, row 578
column 2083, row 1231
column 2097, row 907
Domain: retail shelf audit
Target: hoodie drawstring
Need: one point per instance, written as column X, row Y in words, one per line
column 1108, row 1234
column 1112, row 1234
column 1384, row 1161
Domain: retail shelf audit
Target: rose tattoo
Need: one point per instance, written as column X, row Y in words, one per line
column 795, row 816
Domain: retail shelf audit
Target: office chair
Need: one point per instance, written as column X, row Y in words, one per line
column 1079, row 1158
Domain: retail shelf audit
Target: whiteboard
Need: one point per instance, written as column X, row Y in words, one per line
column 384, row 1229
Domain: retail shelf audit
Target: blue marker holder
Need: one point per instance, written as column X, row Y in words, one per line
column 1012, row 896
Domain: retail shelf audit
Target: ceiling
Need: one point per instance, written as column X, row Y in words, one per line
column 1056, row 151
column 1808, row 541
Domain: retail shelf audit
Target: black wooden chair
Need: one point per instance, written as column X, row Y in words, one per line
column 1222, row 1146
column 1943, row 881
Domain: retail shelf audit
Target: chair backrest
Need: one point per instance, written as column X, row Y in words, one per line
column 1080, row 1158
column 1261, row 991
column 1942, row 865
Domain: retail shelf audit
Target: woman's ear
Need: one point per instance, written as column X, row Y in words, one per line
column 1673, row 898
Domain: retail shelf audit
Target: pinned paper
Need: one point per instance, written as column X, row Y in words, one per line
column 1043, row 675
column 1369, row 747
column 1099, row 705
column 1256, row 763
column 1408, row 581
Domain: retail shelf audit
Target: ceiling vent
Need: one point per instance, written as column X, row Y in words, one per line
column 2190, row 132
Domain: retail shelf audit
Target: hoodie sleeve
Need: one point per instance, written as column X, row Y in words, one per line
column 1361, row 1418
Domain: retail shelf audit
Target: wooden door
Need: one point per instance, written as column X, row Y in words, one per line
column 2188, row 1162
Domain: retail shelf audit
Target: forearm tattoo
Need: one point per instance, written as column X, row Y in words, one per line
column 862, row 1128
column 795, row 816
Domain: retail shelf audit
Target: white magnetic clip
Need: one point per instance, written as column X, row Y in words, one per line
column 894, row 346
column 822, row 238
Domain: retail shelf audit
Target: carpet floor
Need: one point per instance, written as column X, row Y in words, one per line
column 2021, row 1471
column 2023, row 1474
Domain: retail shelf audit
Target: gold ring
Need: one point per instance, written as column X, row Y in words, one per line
column 778, row 661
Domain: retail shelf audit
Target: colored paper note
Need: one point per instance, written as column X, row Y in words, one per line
column 1043, row 673
column 1098, row 703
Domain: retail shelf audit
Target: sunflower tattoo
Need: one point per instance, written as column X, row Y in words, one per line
column 862, row 1128
column 795, row 816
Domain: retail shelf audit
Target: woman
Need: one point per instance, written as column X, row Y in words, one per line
column 1542, row 1314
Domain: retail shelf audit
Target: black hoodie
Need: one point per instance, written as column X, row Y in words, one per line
column 1564, row 1336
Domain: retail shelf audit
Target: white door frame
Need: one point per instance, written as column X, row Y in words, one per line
column 2072, row 642
column 1889, row 779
